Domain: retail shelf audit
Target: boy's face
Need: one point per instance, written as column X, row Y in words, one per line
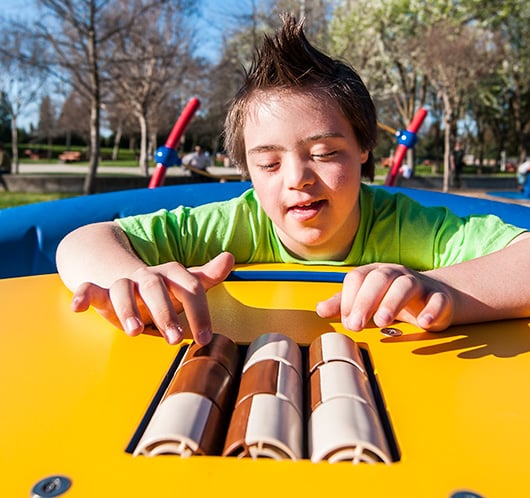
column 305, row 162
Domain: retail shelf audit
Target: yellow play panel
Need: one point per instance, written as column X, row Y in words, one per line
column 74, row 391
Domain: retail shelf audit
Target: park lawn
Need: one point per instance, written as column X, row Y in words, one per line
column 12, row 199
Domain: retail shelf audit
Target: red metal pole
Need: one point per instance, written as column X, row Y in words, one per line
column 182, row 122
column 406, row 140
column 166, row 155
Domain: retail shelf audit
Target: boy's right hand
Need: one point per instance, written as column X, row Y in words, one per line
column 156, row 295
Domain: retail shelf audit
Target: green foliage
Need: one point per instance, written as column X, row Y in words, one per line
column 382, row 39
column 13, row 199
column 468, row 58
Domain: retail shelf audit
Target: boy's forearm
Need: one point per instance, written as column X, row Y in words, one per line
column 99, row 253
column 493, row 287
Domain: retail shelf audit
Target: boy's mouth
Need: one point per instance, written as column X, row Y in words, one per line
column 307, row 210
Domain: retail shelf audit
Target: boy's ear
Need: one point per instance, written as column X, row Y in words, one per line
column 364, row 156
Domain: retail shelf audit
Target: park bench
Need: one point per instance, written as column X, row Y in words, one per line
column 70, row 156
column 220, row 174
column 34, row 154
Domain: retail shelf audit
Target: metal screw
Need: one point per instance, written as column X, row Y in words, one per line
column 51, row 486
column 391, row 332
column 465, row 494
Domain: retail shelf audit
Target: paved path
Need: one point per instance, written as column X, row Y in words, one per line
column 121, row 170
column 217, row 172
column 58, row 168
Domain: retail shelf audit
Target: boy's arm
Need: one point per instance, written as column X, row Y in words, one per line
column 492, row 287
column 99, row 265
column 99, row 253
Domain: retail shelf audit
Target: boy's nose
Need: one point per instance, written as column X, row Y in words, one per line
column 299, row 174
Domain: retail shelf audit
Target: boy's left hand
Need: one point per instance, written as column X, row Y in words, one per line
column 387, row 292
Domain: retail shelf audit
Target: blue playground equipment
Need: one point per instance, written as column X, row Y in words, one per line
column 29, row 234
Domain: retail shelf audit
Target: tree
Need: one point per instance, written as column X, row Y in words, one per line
column 78, row 34
column 5, row 119
column 21, row 81
column 121, row 123
column 69, row 122
column 46, row 127
column 151, row 61
column 406, row 49
column 509, row 19
column 377, row 37
column 453, row 68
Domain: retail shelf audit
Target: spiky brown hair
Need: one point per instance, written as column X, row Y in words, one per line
column 287, row 61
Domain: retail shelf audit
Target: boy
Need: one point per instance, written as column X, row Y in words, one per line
column 302, row 127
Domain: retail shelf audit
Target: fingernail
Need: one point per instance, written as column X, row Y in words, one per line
column 205, row 336
column 383, row 318
column 133, row 326
column 425, row 320
column 174, row 334
column 76, row 302
column 353, row 321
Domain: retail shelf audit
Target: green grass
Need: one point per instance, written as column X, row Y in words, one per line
column 12, row 199
column 126, row 155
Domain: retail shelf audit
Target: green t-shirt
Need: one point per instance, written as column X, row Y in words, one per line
column 393, row 229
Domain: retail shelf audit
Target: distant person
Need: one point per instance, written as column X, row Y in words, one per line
column 457, row 164
column 406, row 171
column 198, row 159
column 5, row 160
column 523, row 177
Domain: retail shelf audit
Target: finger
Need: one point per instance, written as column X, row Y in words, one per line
column 88, row 294
column 330, row 308
column 403, row 291
column 437, row 313
column 362, row 294
column 215, row 271
column 191, row 294
column 123, row 298
column 153, row 292
column 350, row 287
column 81, row 298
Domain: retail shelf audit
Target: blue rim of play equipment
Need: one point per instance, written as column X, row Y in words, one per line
column 29, row 234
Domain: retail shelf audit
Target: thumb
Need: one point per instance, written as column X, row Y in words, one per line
column 330, row 308
column 89, row 294
column 215, row 271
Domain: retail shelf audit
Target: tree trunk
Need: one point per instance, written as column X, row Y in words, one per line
column 447, row 118
column 143, row 163
column 68, row 139
column 117, row 140
column 14, row 145
column 89, row 185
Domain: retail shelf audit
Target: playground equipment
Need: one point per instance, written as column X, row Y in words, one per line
column 166, row 155
column 439, row 414
column 406, row 140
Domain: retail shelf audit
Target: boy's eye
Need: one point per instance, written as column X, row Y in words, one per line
column 267, row 166
column 324, row 155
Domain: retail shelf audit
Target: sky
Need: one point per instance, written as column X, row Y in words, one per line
column 216, row 16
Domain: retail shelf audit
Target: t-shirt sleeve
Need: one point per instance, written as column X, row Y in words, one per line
column 193, row 236
column 462, row 239
column 433, row 237
column 397, row 229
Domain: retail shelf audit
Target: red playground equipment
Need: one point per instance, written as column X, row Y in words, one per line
column 166, row 155
column 406, row 140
